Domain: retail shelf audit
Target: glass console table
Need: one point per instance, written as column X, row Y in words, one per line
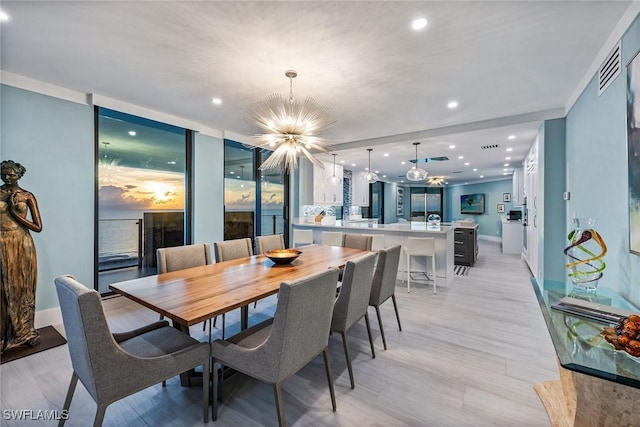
column 598, row 386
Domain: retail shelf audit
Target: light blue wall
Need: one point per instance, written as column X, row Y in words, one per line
column 552, row 237
column 489, row 222
column 391, row 202
column 54, row 140
column 597, row 170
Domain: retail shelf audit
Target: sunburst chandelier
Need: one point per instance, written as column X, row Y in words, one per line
column 436, row 180
column 289, row 128
column 416, row 173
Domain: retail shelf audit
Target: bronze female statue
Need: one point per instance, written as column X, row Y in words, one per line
column 18, row 265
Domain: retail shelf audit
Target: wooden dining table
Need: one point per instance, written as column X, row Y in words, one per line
column 194, row 295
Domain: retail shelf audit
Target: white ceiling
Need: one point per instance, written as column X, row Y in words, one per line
column 509, row 64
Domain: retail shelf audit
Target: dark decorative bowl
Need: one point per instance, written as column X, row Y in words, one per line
column 283, row 256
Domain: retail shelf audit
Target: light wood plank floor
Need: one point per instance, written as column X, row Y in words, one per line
column 467, row 356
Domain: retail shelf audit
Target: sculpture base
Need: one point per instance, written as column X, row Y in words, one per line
column 580, row 400
column 49, row 338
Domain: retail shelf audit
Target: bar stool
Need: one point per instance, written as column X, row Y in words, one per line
column 424, row 247
column 357, row 241
column 377, row 241
column 332, row 238
column 302, row 236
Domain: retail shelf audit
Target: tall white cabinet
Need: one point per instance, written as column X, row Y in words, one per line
column 324, row 193
column 531, row 172
column 518, row 187
column 359, row 189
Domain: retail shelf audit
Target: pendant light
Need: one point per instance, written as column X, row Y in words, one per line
column 416, row 173
column 371, row 176
column 290, row 128
column 334, row 179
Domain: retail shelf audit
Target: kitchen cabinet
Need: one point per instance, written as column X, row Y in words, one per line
column 511, row 237
column 359, row 190
column 531, row 177
column 465, row 245
column 325, row 193
column 518, row 187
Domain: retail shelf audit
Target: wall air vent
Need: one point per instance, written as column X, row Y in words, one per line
column 437, row 159
column 489, row 147
column 609, row 69
column 456, row 172
column 431, row 159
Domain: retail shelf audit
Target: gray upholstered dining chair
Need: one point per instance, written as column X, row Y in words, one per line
column 227, row 250
column 357, row 241
column 275, row 350
column 269, row 243
column 113, row 366
column 384, row 283
column 182, row 257
column 353, row 301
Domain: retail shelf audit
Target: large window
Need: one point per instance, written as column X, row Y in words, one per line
column 254, row 201
column 141, row 168
column 425, row 201
column 239, row 191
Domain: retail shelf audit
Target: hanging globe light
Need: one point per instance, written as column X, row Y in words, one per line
column 371, row 176
column 416, row 173
column 334, row 179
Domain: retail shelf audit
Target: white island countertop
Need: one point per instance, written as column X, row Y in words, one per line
column 360, row 226
column 398, row 234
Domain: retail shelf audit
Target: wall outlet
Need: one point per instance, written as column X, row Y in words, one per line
column 566, row 195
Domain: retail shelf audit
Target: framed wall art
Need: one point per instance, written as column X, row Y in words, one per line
column 400, row 201
column 506, row 197
column 500, row 208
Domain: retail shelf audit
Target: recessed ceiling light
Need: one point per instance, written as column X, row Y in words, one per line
column 3, row 16
column 386, row 154
column 231, row 173
column 452, row 104
column 509, row 149
column 171, row 162
column 419, row 23
column 366, row 169
column 506, row 164
column 507, row 158
column 132, row 132
column 377, row 171
column 504, row 173
column 216, row 101
column 505, row 169
column 511, row 137
column 481, row 176
column 402, row 163
column 466, row 163
column 384, row 176
column 452, row 146
column 353, row 164
column 402, row 180
column 475, row 169
column 460, row 157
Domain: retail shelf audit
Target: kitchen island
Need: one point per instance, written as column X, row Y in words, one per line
column 397, row 234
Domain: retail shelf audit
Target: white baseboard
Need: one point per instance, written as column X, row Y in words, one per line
column 490, row 238
column 52, row 316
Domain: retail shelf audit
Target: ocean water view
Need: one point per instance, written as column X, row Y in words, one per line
column 118, row 234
